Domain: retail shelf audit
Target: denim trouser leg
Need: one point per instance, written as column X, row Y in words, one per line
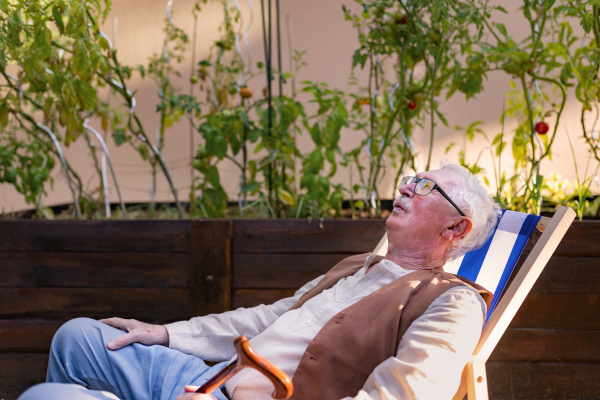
column 136, row 372
column 64, row 391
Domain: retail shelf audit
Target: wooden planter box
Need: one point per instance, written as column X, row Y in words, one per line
column 164, row 271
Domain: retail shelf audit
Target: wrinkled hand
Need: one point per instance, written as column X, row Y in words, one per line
column 190, row 395
column 138, row 332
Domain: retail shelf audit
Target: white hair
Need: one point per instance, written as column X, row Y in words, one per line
column 478, row 206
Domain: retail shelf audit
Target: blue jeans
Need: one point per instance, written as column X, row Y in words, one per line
column 79, row 355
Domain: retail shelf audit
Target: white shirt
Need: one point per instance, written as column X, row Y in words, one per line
column 428, row 362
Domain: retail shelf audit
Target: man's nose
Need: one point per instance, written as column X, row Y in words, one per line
column 407, row 190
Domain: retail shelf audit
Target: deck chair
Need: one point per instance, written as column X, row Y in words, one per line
column 492, row 266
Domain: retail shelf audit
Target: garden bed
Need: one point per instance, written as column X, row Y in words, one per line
column 163, row 271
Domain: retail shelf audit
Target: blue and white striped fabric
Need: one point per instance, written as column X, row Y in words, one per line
column 492, row 264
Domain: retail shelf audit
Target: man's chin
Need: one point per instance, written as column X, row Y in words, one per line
column 395, row 220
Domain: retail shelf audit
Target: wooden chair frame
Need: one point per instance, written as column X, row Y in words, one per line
column 474, row 379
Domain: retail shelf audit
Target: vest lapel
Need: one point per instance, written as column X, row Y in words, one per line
column 343, row 269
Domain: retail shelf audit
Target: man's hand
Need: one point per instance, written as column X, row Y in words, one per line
column 138, row 332
column 191, row 395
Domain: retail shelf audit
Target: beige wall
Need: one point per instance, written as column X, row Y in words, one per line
column 319, row 28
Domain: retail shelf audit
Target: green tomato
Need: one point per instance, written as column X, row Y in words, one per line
column 194, row 79
column 232, row 89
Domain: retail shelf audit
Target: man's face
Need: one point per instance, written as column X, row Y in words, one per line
column 418, row 221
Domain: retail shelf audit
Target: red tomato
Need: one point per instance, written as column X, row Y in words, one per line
column 246, row 92
column 412, row 105
column 542, row 128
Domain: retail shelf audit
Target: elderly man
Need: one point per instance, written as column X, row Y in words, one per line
column 396, row 327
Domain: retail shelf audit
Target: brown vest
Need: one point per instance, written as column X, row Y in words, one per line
column 345, row 352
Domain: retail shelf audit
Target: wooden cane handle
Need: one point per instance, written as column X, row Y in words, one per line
column 247, row 357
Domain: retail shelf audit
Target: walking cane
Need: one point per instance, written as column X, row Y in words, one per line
column 247, row 357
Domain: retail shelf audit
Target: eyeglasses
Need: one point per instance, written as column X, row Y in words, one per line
column 424, row 186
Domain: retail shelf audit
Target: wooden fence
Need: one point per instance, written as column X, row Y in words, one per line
column 164, row 271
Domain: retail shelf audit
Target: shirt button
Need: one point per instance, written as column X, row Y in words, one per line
column 309, row 321
column 337, row 299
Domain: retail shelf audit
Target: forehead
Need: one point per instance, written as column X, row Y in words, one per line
column 443, row 177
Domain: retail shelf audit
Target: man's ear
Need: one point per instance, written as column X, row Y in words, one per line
column 458, row 230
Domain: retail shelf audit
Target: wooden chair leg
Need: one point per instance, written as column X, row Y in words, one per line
column 476, row 380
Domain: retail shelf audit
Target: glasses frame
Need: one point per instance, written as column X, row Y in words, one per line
column 435, row 187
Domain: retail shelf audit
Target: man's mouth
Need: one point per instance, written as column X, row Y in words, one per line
column 398, row 205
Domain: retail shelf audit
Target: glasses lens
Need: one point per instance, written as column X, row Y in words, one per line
column 424, row 187
column 407, row 180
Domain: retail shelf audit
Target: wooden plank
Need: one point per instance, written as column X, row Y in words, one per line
column 145, row 304
column 570, row 275
column 548, row 346
column 254, row 297
column 550, row 381
column 27, row 335
column 559, row 311
column 211, row 266
column 157, row 236
column 23, row 369
column 12, row 392
column 581, row 240
column 280, row 271
column 41, row 269
column 302, row 236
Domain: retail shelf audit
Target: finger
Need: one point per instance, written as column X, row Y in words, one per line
column 187, row 396
column 191, row 389
column 121, row 342
column 195, row 396
column 118, row 323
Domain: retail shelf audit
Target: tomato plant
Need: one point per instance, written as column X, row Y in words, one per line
column 413, row 36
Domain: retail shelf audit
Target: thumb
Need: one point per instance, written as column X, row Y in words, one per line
column 120, row 342
column 191, row 389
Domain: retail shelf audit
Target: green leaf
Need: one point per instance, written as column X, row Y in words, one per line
column 104, row 45
column 358, row 58
column 119, row 136
column 250, row 187
column 450, row 146
column 501, row 9
column 43, row 40
column 286, row 197
column 143, row 150
column 441, row 117
column 212, row 176
column 282, row 76
column 254, row 135
column 587, row 22
column 316, row 161
column 315, row 133
column 497, row 138
column 58, row 20
column 472, row 129
column 501, row 28
column 220, row 147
